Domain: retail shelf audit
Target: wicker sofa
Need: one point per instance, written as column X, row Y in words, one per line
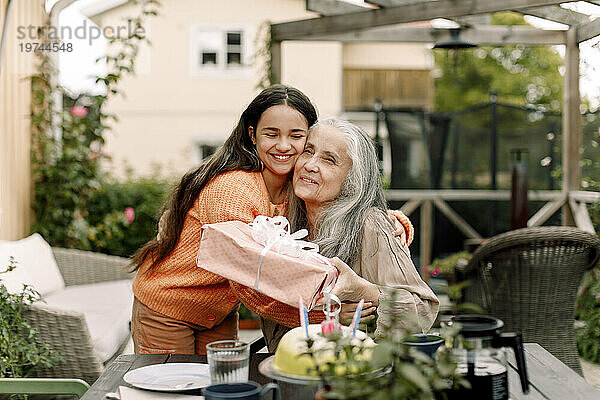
column 88, row 321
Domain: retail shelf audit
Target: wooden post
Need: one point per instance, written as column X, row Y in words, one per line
column 493, row 157
column 276, row 62
column 426, row 232
column 519, row 210
column 571, row 123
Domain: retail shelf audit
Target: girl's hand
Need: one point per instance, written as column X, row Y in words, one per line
column 367, row 314
column 403, row 228
column 399, row 233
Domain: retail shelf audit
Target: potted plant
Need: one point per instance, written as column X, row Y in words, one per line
column 426, row 343
column 20, row 352
column 392, row 369
column 443, row 268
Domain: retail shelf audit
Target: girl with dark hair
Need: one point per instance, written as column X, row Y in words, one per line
column 179, row 307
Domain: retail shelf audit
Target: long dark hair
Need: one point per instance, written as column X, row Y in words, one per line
column 237, row 153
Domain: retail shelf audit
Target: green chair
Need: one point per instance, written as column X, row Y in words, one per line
column 75, row 387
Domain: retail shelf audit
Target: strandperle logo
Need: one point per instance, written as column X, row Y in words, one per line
column 84, row 31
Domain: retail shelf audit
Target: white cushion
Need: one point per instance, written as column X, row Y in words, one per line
column 107, row 310
column 35, row 263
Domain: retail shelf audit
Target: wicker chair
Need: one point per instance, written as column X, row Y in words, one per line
column 529, row 279
column 67, row 332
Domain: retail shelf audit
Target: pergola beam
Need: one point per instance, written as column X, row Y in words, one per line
column 366, row 26
column 276, row 62
column 485, row 35
column 332, row 7
column 480, row 19
column 571, row 124
column 588, row 31
column 470, row 20
column 394, row 15
column 556, row 14
column 393, row 3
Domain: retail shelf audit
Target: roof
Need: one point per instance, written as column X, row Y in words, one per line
column 99, row 7
column 388, row 20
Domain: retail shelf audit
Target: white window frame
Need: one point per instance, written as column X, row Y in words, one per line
column 221, row 68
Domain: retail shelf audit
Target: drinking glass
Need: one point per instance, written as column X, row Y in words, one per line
column 228, row 361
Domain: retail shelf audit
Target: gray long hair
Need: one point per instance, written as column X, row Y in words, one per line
column 340, row 224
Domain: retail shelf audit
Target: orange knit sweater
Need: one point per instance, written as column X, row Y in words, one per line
column 179, row 289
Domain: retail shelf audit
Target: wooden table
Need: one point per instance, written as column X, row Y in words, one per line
column 548, row 377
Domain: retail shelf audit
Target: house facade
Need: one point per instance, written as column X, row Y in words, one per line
column 201, row 71
column 15, row 125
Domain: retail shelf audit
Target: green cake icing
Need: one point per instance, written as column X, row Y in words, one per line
column 289, row 357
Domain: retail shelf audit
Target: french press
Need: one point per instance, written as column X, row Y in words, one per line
column 481, row 357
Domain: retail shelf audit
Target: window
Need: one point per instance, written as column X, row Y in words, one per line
column 234, row 48
column 208, row 44
column 201, row 150
column 206, row 150
column 209, row 57
column 220, row 49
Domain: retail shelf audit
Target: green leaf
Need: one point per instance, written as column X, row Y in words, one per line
column 383, row 355
column 420, row 356
column 413, row 374
column 470, row 308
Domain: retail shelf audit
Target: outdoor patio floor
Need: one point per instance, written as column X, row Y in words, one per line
column 591, row 372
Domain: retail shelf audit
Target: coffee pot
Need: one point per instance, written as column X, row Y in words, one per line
column 480, row 353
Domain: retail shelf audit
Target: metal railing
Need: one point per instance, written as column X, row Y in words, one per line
column 576, row 201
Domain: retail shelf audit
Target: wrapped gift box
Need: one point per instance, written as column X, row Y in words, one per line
column 229, row 250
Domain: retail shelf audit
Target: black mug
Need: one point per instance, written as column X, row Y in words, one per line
column 239, row 391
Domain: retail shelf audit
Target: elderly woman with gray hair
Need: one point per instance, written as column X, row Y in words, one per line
column 339, row 199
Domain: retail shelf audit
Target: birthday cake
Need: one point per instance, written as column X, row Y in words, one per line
column 291, row 357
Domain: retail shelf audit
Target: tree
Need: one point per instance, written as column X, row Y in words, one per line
column 522, row 75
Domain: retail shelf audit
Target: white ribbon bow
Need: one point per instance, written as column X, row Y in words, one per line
column 327, row 310
column 274, row 234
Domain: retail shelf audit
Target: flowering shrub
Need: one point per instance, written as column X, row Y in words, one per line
column 79, row 111
column 122, row 216
column 390, row 370
column 129, row 215
column 588, row 311
column 445, row 266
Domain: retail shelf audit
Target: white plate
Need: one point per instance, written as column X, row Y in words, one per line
column 173, row 377
column 268, row 368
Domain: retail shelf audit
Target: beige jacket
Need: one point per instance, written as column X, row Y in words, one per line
column 383, row 261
